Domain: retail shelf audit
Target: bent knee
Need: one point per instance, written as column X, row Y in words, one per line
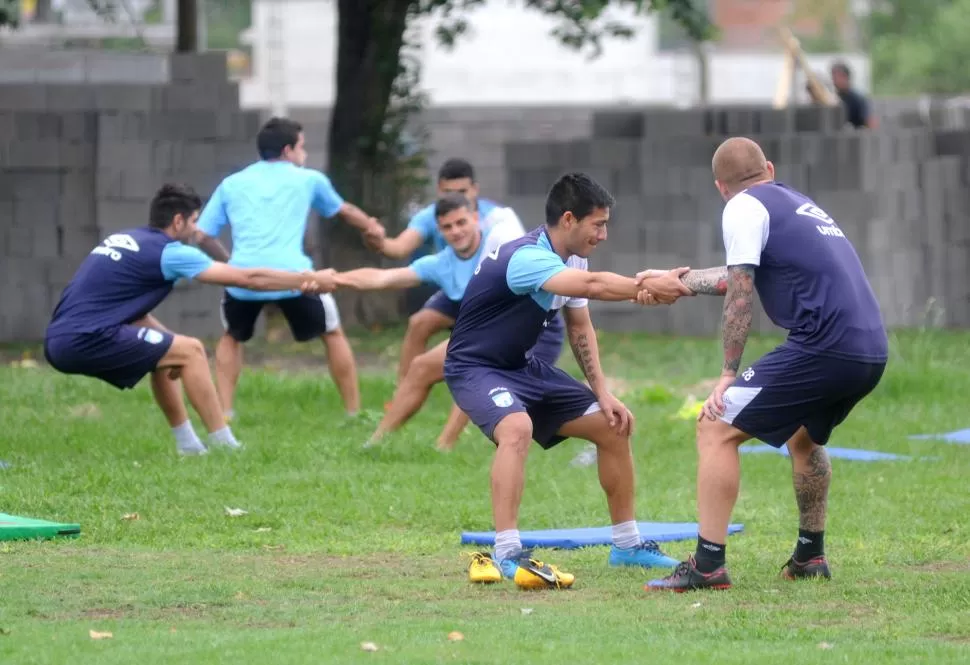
column 514, row 432
column 425, row 370
column 426, row 322
column 187, row 349
column 717, row 432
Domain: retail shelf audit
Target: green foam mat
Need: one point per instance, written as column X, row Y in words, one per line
column 13, row 527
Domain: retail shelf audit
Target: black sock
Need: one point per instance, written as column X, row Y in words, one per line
column 810, row 545
column 709, row 556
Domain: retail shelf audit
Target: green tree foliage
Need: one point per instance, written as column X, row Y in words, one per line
column 919, row 46
column 378, row 82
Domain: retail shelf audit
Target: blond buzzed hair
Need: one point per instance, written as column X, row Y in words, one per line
column 738, row 163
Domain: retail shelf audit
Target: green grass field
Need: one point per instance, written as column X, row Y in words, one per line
column 342, row 546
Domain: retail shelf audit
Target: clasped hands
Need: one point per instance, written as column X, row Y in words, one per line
column 319, row 281
column 663, row 288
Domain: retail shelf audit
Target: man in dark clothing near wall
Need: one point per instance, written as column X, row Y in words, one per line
column 857, row 111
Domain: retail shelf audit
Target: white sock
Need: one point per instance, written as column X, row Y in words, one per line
column 626, row 535
column 507, row 544
column 224, row 437
column 186, row 438
column 230, row 414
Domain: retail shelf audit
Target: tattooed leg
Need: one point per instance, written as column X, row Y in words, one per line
column 811, row 476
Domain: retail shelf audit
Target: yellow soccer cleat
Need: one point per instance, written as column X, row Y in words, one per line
column 528, row 573
column 483, row 569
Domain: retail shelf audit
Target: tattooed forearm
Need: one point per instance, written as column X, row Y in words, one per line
column 583, row 351
column 711, row 281
column 811, row 481
column 738, row 305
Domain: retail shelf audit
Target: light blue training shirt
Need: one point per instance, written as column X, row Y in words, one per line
column 267, row 205
column 448, row 270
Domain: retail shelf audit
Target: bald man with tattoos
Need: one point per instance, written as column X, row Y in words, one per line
column 811, row 283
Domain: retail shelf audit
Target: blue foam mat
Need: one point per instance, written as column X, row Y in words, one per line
column 585, row 537
column 838, row 453
column 958, row 436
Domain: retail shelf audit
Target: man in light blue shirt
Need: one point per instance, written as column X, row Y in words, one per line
column 423, row 236
column 451, row 269
column 267, row 205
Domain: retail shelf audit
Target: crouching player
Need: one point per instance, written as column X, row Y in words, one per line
column 102, row 326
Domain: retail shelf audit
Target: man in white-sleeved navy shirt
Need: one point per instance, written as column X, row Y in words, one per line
column 811, row 283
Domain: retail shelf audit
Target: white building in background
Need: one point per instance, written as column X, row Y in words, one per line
column 509, row 58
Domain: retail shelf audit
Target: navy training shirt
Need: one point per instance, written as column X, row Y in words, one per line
column 808, row 276
column 123, row 279
column 505, row 309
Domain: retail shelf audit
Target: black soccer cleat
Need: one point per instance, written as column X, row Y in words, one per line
column 816, row 567
column 687, row 577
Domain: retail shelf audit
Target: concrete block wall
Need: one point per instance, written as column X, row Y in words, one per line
column 79, row 161
column 899, row 195
column 81, row 155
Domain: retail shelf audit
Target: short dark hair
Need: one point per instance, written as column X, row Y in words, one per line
column 449, row 203
column 275, row 135
column 842, row 68
column 456, row 169
column 171, row 200
column 576, row 193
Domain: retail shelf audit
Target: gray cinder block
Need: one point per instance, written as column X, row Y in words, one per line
column 209, row 67
column 23, row 96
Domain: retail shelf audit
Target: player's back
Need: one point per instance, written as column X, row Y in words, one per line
column 268, row 204
column 495, row 326
column 811, row 281
column 120, row 281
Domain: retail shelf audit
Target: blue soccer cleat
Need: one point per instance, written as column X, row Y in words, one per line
column 646, row 555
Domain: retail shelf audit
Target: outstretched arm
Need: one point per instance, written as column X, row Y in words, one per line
column 377, row 279
column 738, row 309
column 210, row 246
column 266, row 279
column 613, row 287
column 402, row 246
column 710, row 281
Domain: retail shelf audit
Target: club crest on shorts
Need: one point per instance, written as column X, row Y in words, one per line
column 149, row 335
column 501, row 396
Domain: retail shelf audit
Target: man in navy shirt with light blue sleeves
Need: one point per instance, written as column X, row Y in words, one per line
column 811, row 283
column 515, row 397
column 450, row 269
column 267, row 205
column 102, row 326
column 456, row 176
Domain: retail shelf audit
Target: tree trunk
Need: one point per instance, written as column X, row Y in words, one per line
column 370, row 35
column 187, row 28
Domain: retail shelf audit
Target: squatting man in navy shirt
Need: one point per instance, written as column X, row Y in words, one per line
column 102, row 327
column 811, row 283
column 468, row 240
column 516, row 397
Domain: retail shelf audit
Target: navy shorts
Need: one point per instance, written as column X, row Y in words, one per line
column 439, row 302
column 788, row 389
column 551, row 397
column 121, row 356
column 549, row 347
